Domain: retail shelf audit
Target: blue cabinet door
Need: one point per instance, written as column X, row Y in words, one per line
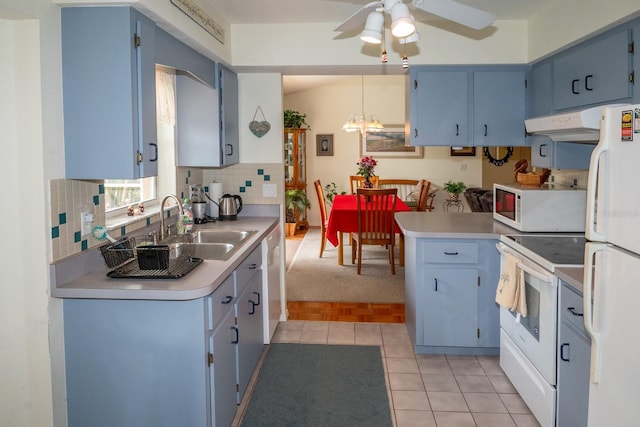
column 498, row 108
column 440, row 108
column 229, row 121
column 574, row 362
column 249, row 308
column 450, row 314
column 541, row 93
column 222, row 346
column 595, row 73
column 108, row 68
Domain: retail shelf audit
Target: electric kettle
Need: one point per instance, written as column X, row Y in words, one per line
column 230, row 207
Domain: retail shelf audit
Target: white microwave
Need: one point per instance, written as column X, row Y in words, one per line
column 548, row 208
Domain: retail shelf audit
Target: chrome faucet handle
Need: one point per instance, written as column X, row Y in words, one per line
column 154, row 236
column 169, row 228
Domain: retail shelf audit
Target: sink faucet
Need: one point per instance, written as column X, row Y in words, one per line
column 162, row 228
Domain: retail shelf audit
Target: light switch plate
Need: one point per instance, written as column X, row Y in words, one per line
column 269, row 190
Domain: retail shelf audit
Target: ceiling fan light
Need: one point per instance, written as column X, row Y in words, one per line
column 411, row 39
column 402, row 22
column 372, row 32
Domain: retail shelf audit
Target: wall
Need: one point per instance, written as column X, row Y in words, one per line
column 564, row 23
column 328, row 107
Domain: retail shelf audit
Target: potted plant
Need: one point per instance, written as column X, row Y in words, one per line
column 295, row 203
column 331, row 191
column 454, row 189
column 294, row 119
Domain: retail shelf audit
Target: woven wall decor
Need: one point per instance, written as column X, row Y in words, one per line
column 259, row 128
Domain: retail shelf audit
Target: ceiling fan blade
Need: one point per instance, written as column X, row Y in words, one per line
column 457, row 12
column 358, row 18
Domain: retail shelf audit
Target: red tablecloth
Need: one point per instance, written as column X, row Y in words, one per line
column 344, row 216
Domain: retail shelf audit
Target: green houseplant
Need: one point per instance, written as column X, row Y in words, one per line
column 295, row 119
column 295, row 203
column 454, row 189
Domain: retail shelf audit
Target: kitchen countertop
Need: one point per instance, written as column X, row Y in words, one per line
column 441, row 225
column 84, row 276
column 573, row 276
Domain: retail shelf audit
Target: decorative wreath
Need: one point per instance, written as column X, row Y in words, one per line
column 498, row 162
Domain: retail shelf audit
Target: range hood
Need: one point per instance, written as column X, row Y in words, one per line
column 574, row 126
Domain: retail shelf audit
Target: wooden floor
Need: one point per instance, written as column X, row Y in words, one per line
column 340, row 311
column 346, row 312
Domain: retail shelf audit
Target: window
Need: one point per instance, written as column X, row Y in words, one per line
column 122, row 193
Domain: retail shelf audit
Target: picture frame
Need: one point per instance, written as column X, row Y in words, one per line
column 324, row 145
column 389, row 142
column 463, row 151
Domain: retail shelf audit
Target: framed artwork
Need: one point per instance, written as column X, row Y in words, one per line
column 390, row 142
column 463, row 151
column 324, row 145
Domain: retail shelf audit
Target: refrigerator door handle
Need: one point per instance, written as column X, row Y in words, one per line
column 591, row 288
column 603, row 146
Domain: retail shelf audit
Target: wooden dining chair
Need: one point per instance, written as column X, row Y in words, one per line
column 376, row 223
column 324, row 218
column 423, row 198
column 407, row 188
column 355, row 181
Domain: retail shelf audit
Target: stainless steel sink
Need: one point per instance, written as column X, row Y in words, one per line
column 222, row 236
column 217, row 251
column 208, row 244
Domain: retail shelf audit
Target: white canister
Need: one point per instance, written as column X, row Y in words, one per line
column 214, row 190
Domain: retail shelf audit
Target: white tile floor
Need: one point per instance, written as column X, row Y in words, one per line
column 424, row 390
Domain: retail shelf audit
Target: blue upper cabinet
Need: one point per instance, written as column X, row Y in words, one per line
column 109, row 93
column 229, row 126
column 499, row 108
column 464, row 106
column 439, row 107
column 595, row 73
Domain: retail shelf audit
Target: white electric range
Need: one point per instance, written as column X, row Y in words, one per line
column 528, row 344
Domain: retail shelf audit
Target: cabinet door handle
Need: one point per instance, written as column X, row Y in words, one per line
column 540, row 149
column 573, row 311
column 451, row 253
column 415, row 132
column 436, row 288
column 562, row 357
column 227, row 300
column 415, row 84
column 457, row 129
column 235, row 329
column 253, row 307
column 485, row 130
column 258, row 295
column 586, row 82
column 573, row 87
column 253, row 266
column 155, row 154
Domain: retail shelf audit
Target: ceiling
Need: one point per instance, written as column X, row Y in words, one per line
column 317, row 11
column 336, row 11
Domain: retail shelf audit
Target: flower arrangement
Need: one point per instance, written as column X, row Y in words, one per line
column 366, row 166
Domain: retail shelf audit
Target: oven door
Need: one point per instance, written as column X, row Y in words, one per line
column 535, row 335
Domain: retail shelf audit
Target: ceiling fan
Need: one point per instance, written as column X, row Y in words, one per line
column 403, row 22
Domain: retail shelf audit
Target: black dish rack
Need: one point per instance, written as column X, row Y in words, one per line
column 127, row 260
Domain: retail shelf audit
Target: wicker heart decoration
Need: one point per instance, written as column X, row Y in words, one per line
column 259, row 129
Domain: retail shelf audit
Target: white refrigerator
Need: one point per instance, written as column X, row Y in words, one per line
column 612, row 270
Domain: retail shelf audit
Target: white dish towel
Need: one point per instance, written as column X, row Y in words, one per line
column 511, row 286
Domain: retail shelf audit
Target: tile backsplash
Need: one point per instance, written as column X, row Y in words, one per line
column 570, row 177
column 69, row 198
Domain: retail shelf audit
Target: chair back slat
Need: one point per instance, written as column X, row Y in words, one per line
column 376, row 209
column 355, row 182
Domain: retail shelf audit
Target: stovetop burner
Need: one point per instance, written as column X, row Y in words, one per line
column 558, row 250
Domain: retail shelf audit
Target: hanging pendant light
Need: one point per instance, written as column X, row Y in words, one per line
column 359, row 122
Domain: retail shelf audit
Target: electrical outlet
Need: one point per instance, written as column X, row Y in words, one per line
column 463, row 166
column 86, row 220
column 269, row 190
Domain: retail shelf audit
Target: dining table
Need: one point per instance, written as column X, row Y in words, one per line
column 343, row 218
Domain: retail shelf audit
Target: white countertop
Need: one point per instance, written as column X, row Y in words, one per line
column 476, row 225
column 573, row 276
column 202, row 281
